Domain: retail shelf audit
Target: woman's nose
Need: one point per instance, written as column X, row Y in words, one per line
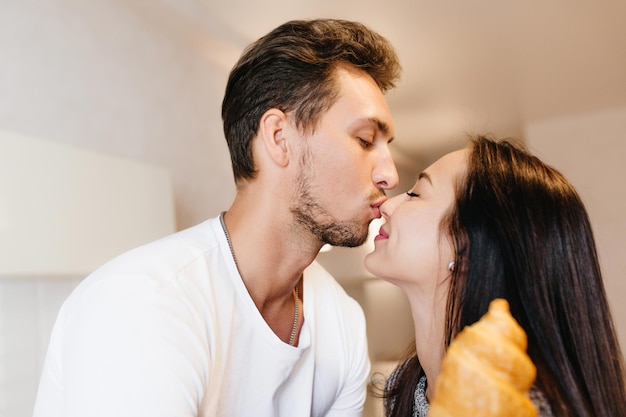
column 388, row 207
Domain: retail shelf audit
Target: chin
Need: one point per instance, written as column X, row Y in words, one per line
column 348, row 242
column 349, row 235
column 369, row 262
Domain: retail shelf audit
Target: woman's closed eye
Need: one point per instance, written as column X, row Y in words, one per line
column 412, row 194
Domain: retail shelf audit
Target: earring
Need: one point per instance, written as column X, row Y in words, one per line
column 451, row 266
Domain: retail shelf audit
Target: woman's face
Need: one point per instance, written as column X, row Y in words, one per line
column 410, row 249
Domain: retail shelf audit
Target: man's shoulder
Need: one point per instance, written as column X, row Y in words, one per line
column 163, row 258
column 329, row 293
column 190, row 241
column 321, row 280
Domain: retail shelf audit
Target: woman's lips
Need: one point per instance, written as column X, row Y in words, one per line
column 381, row 234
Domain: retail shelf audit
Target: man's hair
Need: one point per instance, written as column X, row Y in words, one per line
column 292, row 69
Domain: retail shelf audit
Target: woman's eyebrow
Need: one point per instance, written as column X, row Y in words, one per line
column 426, row 177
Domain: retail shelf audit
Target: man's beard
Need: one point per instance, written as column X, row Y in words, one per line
column 316, row 219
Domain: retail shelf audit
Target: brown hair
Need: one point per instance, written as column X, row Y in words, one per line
column 292, row 69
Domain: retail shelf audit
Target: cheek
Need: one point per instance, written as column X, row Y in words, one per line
column 383, row 260
column 416, row 251
column 336, row 172
column 394, row 258
column 341, row 160
column 446, row 251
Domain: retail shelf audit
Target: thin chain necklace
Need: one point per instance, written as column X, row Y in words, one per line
column 294, row 328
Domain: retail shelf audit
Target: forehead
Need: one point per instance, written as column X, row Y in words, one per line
column 360, row 101
column 449, row 167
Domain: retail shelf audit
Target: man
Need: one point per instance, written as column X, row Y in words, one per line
column 232, row 317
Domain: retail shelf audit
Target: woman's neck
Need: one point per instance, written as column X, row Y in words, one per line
column 429, row 322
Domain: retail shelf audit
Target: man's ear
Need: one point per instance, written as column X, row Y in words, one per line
column 273, row 129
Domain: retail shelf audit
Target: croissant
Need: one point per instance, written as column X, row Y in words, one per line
column 486, row 371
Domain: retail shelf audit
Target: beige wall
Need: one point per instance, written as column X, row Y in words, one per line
column 133, row 79
column 590, row 149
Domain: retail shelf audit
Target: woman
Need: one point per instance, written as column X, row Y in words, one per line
column 493, row 221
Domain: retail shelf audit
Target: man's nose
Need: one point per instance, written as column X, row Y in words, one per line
column 385, row 174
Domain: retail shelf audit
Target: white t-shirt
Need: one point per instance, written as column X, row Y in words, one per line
column 169, row 329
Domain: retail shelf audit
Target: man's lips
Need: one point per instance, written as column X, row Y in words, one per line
column 381, row 234
column 376, row 207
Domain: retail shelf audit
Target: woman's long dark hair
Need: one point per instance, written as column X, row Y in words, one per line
column 521, row 232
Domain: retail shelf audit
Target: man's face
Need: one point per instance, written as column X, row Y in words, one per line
column 345, row 164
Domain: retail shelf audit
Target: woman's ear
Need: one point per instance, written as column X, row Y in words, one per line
column 273, row 129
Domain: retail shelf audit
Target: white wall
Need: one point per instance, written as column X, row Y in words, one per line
column 590, row 149
column 28, row 309
column 63, row 212
column 130, row 78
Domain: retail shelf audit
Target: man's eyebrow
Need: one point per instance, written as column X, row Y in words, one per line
column 381, row 126
column 426, row 177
